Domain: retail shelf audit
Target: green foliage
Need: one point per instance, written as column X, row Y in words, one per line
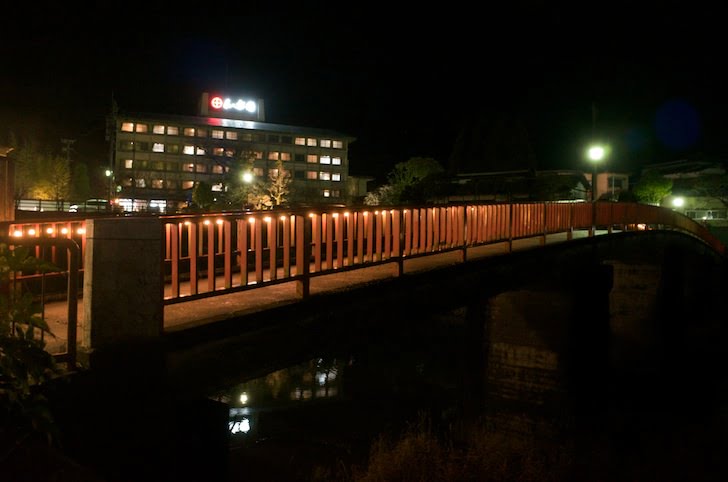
column 417, row 180
column 39, row 174
column 553, row 187
column 202, row 195
column 25, row 365
column 652, row 188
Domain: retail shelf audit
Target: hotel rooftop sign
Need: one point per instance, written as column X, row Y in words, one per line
column 246, row 108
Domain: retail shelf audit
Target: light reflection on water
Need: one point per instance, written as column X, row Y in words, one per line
column 284, row 389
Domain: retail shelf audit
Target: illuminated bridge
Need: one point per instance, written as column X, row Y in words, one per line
column 146, row 279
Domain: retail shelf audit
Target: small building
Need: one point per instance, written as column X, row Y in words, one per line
column 609, row 185
column 699, row 189
column 521, row 185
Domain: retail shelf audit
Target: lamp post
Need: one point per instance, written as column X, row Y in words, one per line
column 110, row 174
column 595, row 153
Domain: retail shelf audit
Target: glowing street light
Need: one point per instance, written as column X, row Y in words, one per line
column 110, row 174
column 247, row 177
column 595, row 154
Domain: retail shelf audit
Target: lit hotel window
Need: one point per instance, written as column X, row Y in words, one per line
column 312, row 158
column 273, row 172
column 217, row 134
column 189, row 131
column 157, row 129
column 200, row 151
column 327, row 193
column 142, row 128
column 140, row 182
column 229, row 152
column 325, row 143
column 127, row 127
column 217, row 187
column 325, row 176
column 217, row 169
column 158, row 183
column 200, row 168
column 231, row 135
column 189, row 150
column 336, row 176
column 258, row 171
column 128, row 164
column 300, row 141
column 311, row 142
column 188, row 184
column 285, row 156
column 273, row 156
column 188, row 167
column 158, row 147
column 325, row 159
column 172, row 130
column 218, row 151
column 338, row 145
column 201, row 133
column 311, row 175
column 336, row 161
column 258, row 154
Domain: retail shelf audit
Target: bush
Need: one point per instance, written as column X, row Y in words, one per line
column 25, row 365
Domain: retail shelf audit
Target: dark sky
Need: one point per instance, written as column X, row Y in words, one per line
column 404, row 86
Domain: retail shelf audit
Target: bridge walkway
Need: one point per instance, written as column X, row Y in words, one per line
column 193, row 313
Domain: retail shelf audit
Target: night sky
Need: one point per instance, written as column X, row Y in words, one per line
column 403, row 86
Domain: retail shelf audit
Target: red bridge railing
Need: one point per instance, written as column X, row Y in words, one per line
column 220, row 253
column 217, row 253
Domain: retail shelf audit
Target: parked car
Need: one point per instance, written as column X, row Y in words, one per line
column 91, row 205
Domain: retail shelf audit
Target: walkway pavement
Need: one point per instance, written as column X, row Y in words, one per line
column 190, row 314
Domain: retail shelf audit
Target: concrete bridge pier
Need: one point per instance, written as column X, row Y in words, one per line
column 123, row 292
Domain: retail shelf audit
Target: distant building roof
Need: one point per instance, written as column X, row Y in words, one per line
column 686, row 168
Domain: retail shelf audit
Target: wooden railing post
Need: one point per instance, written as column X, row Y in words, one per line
column 303, row 252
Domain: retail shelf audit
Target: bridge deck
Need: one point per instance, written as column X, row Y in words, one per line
column 193, row 313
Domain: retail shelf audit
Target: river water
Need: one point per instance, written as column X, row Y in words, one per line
column 327, row 410
column 317, row 418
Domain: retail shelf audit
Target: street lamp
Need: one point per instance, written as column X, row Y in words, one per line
column 595, row 153
column 110, row 174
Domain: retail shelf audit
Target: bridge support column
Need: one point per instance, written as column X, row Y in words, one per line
column 123, row 282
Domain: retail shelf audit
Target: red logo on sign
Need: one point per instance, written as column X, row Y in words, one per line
column 216, row 103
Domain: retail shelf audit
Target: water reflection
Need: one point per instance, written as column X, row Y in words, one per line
column 286, row 389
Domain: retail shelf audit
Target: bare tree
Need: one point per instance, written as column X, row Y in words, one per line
column 279, row 185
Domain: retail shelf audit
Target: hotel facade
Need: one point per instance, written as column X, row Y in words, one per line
column 157, row 160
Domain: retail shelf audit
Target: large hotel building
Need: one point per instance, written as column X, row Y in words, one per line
column 157, row 160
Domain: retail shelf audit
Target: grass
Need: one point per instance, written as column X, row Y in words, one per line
column 466, row 453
